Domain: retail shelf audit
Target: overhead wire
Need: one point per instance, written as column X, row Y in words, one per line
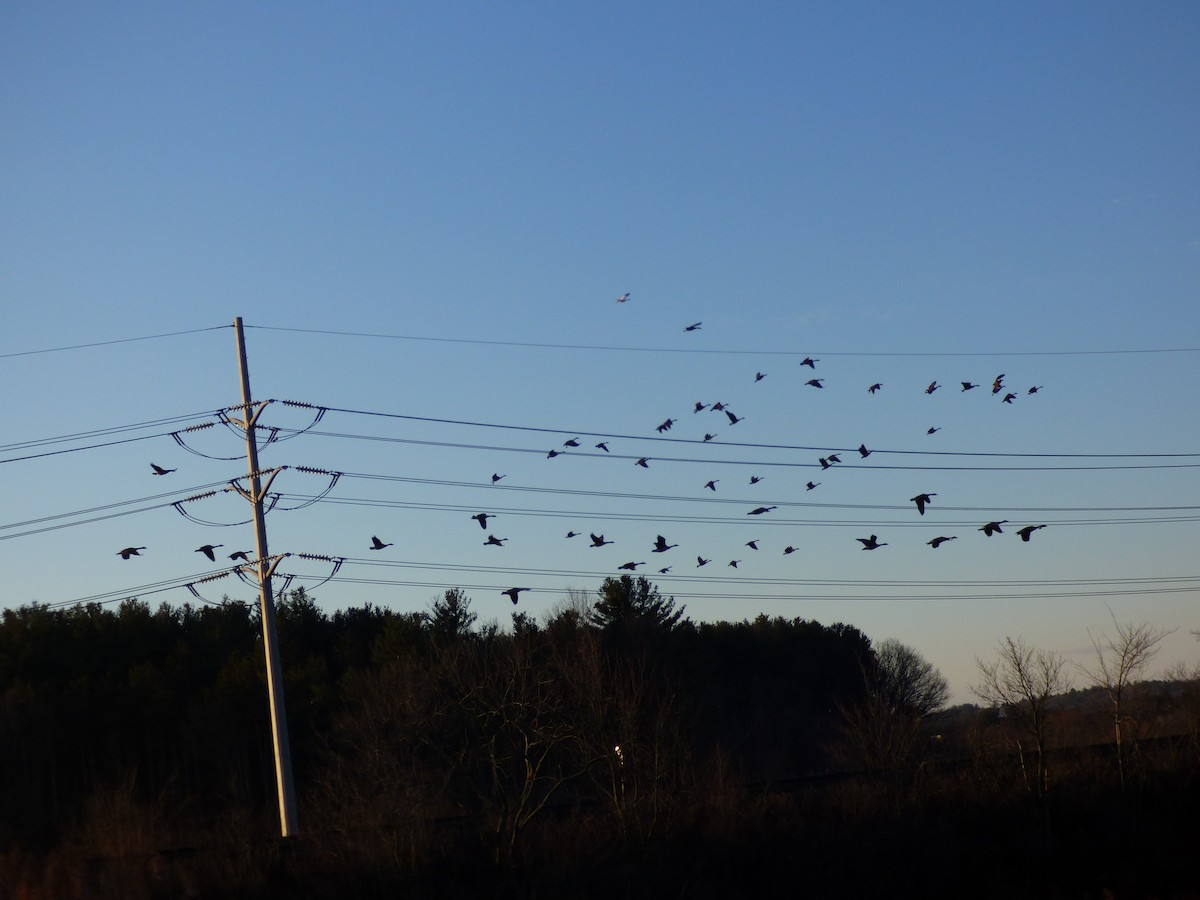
column 129, row 340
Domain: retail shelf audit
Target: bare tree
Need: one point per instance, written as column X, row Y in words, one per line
column 1021, row 681
column 1120, row 661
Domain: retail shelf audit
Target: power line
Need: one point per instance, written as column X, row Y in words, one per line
column 706, row 351
column 98, row 432
column 148, row 337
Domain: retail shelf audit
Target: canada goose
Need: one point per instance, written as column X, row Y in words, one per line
column 644, row 462
column 755, row 479
column 760, row 510
column 712, row 485
column 811, row 485
column 496, row 477
column 661, row 545
column 603, row 445
column 998, row 384
column 512, row 593
column 572, row 534
column 921, row 500
column 863, row 451
column 810, row 362
column 753, row 545
column 129, row 551
column 598, row 540
column 991, row 528
column 482, row 518
column 695, row 326
column 243, row 555
column 759, row 376
column 1027, row 531
column 932, row 429
column 708, row 437
column 159, row 470
column 665, row 426
column 967, row 386
column 733, row 420
column 933, row 386
column 208, row 549
column 376, row 544
column 870, row 543
column 701, row 561
column 873, row 388
column 938, row 541
column 815, row 382
column 733, row 563
column 789, row 549
column 631, row 566
column 571, row 442
column 493, row 541
column 1009, row 398
column 700, row 406
column 624, row 298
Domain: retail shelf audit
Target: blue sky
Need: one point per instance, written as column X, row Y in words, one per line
column 933, row 191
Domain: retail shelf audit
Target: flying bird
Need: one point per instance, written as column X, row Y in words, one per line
column 1027, row 531
column 753, row 545
column 159, row 470
column 755, row 479
column 759, row 376
column 512, row 593
column 932, row 429
column 552, row 454
column 1034, row 389
column 718, row 406
column 482, row 518
column 873, row 388
column 571, row 442
column 810, row 362
column 921, row 500
column 815, row 382
column 789, row 549
column 824, row 461
column 243, row 555
column 708, row 437
column 661, row 545
column 630, row 566
column 598, row 540
column 733, row 563
column 939, row 540
column 966, row 386
column 624, row 298
column 991, row 528
column 863, row 451
column 603, row 445
column 712, row 485
column 933, row 386
column 811, row 485
column 695, row 326
column 1009, row 398
column 758, row 511
column 208, row 549
column 496, row 477
column 664, row 570
column 129, row 551
column 701, row 561
column 998, row 384
column 644, row 462
column 700, row 406
column 572, row 534
column 834, row 458
column 376, row 544
column 870, row 543
column 665, row 426
column 494, row 541
column 733, row 420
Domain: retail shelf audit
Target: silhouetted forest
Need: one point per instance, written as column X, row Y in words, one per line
column 614, row 746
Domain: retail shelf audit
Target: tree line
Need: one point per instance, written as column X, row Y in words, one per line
column 435, row 754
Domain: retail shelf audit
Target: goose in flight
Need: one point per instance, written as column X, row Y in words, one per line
column 998, row 384
column 967, row 386
column 753, row 545
column 1027, row 531
column 494, row 541
column 1034, row 389
column 159, row 470
column 789, row 549
column 933, row 386
column 758, row 511
column 496, row 477
column 759, row 376
column 990, row 528
column 603, row 445
column 482, row 518
column 755, row 479
column 661, row 545
column 624, row 298
column 932, row 429
column 1009, row 398
column 939, row 540
column 631, row 566
column 208, row 549
column 243, row 555
column 572, row 534
column 921, row 500
column 810, row 362
column 701, row 561
column 695, row 326
column 571, row 442
column 129, row 551
column 512, row 593
column 376, row 544
column 815, row 382
column 873, row 388
column 712, row 485
column 733, row 420
column 644, row 462
column 598, row 540
column 863, row 451
column 708, row 437
column 664, row 570
column 733, row 563
column 811, row 485
column 870, row 543
column 665, row 426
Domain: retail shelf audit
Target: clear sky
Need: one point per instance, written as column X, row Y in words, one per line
column 428, row 211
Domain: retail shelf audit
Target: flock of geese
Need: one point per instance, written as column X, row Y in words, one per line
column 829, row 461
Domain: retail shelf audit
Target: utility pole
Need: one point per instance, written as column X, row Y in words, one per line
column 265, row 569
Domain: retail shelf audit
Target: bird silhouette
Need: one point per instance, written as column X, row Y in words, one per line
column 810, row 362
column 717, row 407
column 129, row 551
column 990, row 528
column 701, row 561
column 967, row 386
column 998, row 384
column 700, row 406
column 733, row 420
column 759, row 376
column 933, row 386
column 921, row 500
column 758, row 511
column 482, row 518
column 571, row 442
column 159, row 470
column 708, row 437
column 631, row 566
column 552, row 454
column 863, row 451
column 624, row 298
column 815, row 382
column 644, row 462
column 873, row 388
column 1009, row 398
column 788, row 550
column 939, row 540
column 834, row 458
column 733, row 563
column 824, row 461
column 664, row 570
column 695, row 326
column 1034, row 389
column 208, row 549
column 512, row 593
column 712, row 485
column 753, row 545
column 661, row 545
column 870, row 543
column 932, row 429
column 665, row 426
column 598, row 540
column 572, row 534
column 755, row 479
column 493, row 541
column 811, row 485
column 1027, row 531
column 243, row 555
column 496, row 477
column 376, row 543
column 603, row 445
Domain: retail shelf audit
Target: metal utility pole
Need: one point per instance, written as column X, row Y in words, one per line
column 279, row 731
